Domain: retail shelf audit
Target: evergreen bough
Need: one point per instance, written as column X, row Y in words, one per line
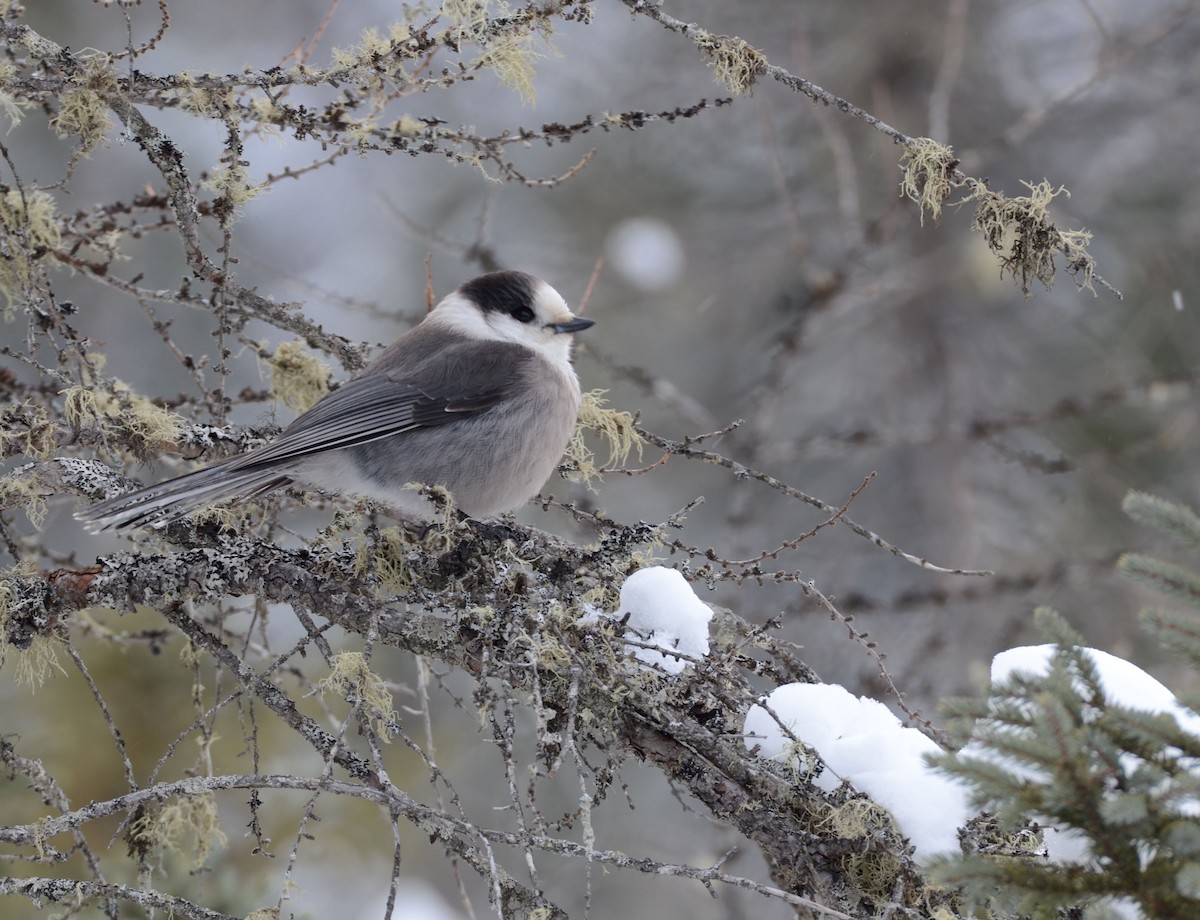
column 1054, row 750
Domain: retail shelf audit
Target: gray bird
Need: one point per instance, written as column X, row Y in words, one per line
column 480, row 397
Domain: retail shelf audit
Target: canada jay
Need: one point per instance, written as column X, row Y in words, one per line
column 480, row 397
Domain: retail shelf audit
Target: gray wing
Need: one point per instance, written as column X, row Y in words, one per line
column 394, row 395
column 412, row 385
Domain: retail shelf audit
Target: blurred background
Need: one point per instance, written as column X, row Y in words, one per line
column 758, row 264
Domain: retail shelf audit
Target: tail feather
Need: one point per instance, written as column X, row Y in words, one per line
column 168, row 501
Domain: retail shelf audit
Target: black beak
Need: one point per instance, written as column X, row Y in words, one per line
column 578, row 324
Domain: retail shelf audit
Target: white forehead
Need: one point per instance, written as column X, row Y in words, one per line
column 548, row 302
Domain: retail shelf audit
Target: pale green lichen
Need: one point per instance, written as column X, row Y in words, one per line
column 189, row 826
column 84, row 109
column 370, row 46
column 231, row 182
column 855, row 818
column 150, row 425
column 146, row 427
column 468, row 18
column 231, row 516
column 28, row 432
column 407, row 125
column 360, row 131
column 8, row 595
column 267, row 116
column 79, row 405
column 929, row 175
column 350, row 675
column 616, row 428
column 376, row 58
column 8, row 102
column 22, row 488
column 82, row 112
column 801, row 760
column 874, row 869
column 734, row 61
column 298, row 377
column 1018, row 230
column 511, row 53
column 512, row 57
column 264, row 109
column 205, row 101
column 36, row 663
column 440, row 533
column 29, row 232
column 386, row 557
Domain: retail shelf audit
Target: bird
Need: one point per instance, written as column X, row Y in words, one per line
column 480, row 397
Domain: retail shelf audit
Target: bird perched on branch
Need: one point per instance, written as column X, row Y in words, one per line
column 480, row 398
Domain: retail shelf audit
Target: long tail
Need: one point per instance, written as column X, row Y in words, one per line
column 168, row 501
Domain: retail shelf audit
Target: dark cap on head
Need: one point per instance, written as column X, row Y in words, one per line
column 502, row 292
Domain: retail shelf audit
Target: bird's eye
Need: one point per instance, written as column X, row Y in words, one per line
column 523, row 314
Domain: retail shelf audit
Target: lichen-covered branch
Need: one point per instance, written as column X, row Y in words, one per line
column 931, row 171
column 475, row 615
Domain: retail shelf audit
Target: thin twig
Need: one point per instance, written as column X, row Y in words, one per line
column 743, row 472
